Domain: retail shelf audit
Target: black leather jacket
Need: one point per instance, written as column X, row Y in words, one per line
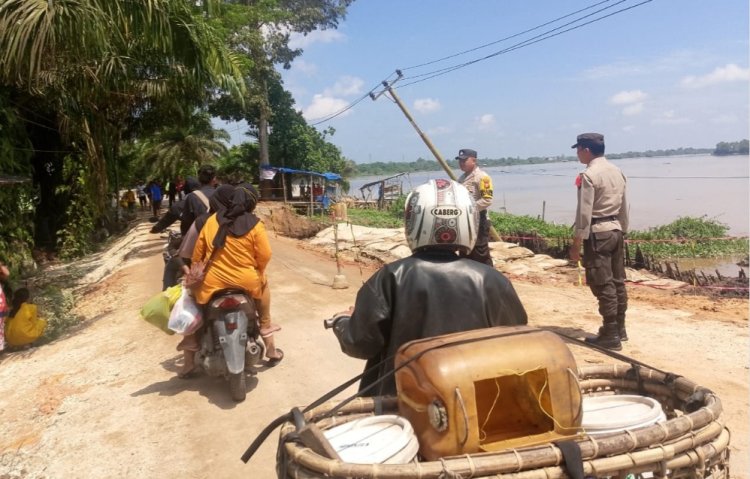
column 427, row 294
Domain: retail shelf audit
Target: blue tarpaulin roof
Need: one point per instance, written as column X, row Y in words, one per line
column 327, row 176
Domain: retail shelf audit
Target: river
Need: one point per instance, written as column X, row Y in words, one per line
column 660, row 190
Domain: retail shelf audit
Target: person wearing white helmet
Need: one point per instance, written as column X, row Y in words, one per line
column 437, row 290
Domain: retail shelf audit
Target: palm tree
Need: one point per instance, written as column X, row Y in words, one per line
column 183, row 148
column 102, row 65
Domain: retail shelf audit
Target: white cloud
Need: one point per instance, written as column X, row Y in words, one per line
column 674, row 61
column 618, row 69
column 323, row 106
column 669, row 117
column 628, row 128
column 725, row 74
column 302, row 66
column 485, row 121
column 627, row 97
column 426, row 105
column 298, row 40
column 345, row 86
column 633, row 109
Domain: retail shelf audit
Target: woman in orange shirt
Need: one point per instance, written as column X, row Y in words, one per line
column 242, row 254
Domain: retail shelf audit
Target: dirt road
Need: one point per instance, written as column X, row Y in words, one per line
column 104, row 400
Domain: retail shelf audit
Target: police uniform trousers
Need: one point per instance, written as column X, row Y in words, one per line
column 481, row 251
column 604, row 260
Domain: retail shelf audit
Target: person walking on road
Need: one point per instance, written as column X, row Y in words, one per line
column 600, row 224
column 479, row 185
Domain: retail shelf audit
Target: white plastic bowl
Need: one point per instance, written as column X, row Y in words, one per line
column 610, row 414
column 386, row 439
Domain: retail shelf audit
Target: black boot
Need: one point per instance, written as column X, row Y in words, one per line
column 621, row 327
column 608, row 337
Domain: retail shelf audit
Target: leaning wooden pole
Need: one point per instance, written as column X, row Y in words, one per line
column 389, row 88
column 422, row 135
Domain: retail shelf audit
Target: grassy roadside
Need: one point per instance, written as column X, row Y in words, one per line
column 686, row 237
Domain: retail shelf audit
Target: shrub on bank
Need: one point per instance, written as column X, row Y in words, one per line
column 686, row 237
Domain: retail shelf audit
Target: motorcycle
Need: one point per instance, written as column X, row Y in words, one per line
column 230, row 344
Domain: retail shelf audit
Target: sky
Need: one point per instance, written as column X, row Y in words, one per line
column 664, row 74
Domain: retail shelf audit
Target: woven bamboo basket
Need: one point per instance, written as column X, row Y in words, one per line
column 693, row 442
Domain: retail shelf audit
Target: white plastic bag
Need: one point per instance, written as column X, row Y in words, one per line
column 186, row 316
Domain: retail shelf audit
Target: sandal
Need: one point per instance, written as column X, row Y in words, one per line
column 274, row 361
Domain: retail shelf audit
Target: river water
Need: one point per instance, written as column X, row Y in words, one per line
column 660, row 190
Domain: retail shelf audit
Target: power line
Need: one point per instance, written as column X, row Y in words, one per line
column 317, row 121
column 544, row 36
column 508, row 37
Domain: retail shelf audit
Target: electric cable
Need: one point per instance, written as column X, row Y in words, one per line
column 506, row 38
column 522, row 43
column 525, row 43
column 331, row 116
column 439, row 72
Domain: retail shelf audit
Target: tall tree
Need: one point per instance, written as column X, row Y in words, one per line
column 100, row 67
column 182, row 148
column 261, row 31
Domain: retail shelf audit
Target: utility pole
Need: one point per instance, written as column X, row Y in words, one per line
column 392, row 92
column 389, row 88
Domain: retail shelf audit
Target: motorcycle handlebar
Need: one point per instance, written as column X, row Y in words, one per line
column 328, row 323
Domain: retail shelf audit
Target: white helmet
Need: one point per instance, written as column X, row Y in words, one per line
column 441, row 213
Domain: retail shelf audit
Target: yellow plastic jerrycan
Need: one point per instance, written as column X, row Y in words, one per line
column 487, row 390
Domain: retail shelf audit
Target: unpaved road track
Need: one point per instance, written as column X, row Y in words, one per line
column 104, row 401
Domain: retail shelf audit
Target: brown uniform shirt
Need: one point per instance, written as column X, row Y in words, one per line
column 601, row 195
column 479, row 185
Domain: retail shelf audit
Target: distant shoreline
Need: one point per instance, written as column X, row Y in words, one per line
column 391, row 168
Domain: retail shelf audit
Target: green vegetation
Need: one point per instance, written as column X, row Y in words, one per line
column 688, row 237
column 734, row 148
column 98, row 95
column 18, row 198
column 393, row 217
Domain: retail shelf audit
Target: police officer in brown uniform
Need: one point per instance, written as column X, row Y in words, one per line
column 479, row 185
column 601, row 221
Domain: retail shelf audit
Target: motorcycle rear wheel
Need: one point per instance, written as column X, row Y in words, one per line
column 238, row 386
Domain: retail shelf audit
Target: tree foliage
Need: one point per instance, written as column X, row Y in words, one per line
column 240, row 164
column 93, row 72
column 182, row 148
column 732, row 148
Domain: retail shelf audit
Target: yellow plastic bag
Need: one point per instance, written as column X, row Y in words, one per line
column 173, row 293
column 156, row 310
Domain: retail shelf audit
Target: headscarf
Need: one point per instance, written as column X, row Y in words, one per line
column 219, row 201
column 238, row 219
column 19, row 297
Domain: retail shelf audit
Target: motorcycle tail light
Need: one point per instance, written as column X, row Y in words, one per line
column 229, row 303
column 231, row 325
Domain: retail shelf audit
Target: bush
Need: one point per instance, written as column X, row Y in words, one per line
column 691, row 238
column 17, row 225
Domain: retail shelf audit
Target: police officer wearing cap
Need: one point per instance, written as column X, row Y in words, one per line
column 600, row 223
column 479, row 185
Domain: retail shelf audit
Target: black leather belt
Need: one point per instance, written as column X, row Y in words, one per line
column 603, row 219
